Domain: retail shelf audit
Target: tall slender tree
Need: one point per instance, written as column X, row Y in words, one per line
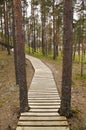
column 43, row 20
column 6, row 25
column 82, row 57
column 54, row 40
column 67, row 59
column 20, row 55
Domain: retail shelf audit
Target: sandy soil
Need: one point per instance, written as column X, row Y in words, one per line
column 9, row 99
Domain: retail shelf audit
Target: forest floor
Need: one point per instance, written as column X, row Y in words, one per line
column 9, row 99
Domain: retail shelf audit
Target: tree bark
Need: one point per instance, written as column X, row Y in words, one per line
column 6, row 26
column 20, row 55
column 54, row 31
column 14, row 45
column 65, row 109
column 43, row 19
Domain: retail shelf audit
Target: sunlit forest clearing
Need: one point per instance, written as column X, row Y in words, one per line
column 53, row 31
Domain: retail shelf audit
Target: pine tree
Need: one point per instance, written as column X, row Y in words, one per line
column 20, row 55
column 67, row 60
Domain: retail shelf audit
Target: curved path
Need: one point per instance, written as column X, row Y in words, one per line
column 44, row 101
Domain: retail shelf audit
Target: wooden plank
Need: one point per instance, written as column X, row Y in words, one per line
column 46, row 89
column 42, row 123
column 42, row 128
column 46, row 96
column 42, row 87
column 41, row 93
column 45, row 107
column 43, row 101
column 43, row 98
column 44, row 110
column 60, row 118
column 39, row 114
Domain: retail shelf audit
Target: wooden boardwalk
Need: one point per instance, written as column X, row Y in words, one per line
column 44, row 102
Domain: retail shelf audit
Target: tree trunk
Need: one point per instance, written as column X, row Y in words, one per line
column 14, row 44
column 2, row 26
column 82, row 56
column 54, row 37
column 57, row 37
column 82, row 60
column 67, row 60
column 6, row 26
column 34, row 41
column 20, row 55
column 43, row 18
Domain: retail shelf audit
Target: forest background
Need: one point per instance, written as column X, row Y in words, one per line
column 43, row 38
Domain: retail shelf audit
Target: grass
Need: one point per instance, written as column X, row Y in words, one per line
column 77, row 60
column 59, row 60
column 39, row 54
column 78, row 77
